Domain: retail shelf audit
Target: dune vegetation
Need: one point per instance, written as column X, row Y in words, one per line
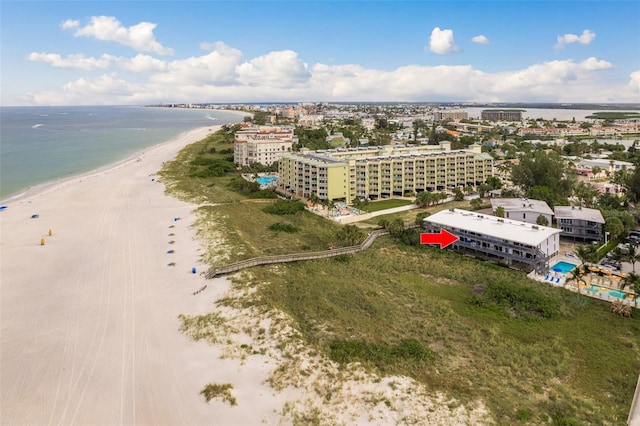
column 533, row 353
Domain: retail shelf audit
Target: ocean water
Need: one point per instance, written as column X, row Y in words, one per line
column 43, row 144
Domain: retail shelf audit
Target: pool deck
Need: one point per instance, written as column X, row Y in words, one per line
column 559, row 279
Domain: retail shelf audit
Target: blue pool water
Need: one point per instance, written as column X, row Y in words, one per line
column 613, row 293
column 616, row 293
column 266, row 180
column 563, row 267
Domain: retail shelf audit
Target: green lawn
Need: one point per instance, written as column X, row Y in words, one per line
column 535, row 354
column 389, row 203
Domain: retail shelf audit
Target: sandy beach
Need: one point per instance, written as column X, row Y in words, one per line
column 89, row 320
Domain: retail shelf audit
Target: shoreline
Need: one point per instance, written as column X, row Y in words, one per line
column 36, row 189
column 53, row 185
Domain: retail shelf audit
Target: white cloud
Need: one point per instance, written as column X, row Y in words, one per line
column 278, row 69
column 221, row 75
column 441, row 41
column 216, row 67
column 480, row 39
column 85, row 91
column 139, row 63
column 77, row 61
column 585, row 38
column 69, row 23
column 107, row 28
column 634, row 83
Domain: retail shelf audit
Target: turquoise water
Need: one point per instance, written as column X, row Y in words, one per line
column 563, row 267
column 616, row 293
column 43, row 144
column 266, row 180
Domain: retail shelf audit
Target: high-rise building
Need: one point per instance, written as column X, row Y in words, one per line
column 382, row 172
column 501, row 114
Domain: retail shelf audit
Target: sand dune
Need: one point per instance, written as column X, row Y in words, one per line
column 89, row 328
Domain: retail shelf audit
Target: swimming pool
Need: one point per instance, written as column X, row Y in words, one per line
column 266, row 180
column 563, row 267
column 613, row 293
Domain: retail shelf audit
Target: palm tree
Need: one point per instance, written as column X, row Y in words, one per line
column 314, row 199
column 499, row 211
column 632, row 281
column 586, row 254
column 632, row 256
column 350, row 235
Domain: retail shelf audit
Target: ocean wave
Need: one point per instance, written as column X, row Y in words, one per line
column 210, row 117
column 37, row 126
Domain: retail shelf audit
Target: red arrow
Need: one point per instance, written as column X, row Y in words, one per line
column 444, row 238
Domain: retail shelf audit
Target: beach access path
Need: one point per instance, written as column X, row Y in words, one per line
column 89, row 320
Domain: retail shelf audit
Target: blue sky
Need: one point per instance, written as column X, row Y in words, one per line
column 124, row 52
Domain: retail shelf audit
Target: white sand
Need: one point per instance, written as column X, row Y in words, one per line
column 88, row 322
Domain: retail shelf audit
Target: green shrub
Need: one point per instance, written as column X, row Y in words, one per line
column 523, row 301
column 243, row 186
column 285, row 207
column 263, row 194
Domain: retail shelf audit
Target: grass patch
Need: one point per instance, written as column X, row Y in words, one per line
column 210, row 327
column 285, row 207
column 283, row 227
column 519, row 301
column 390, row 203
column 221, row 391
column 379, row 354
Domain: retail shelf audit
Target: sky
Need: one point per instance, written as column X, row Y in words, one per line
column 151, row 52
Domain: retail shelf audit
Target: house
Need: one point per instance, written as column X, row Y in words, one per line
column 516, row 244
column 580, row 222
column 523, row 209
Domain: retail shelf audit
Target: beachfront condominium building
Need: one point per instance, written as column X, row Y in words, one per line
column 580, row 222
column 523, row 209
column 516, row 244
column 453, row 115
column 501, row 114
column 382, row 172
column 263, row 145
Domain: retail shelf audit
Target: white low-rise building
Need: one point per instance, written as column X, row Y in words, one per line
column 513, row 243
column 523, row 209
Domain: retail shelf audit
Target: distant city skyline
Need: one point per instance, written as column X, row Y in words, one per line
column 144, row 52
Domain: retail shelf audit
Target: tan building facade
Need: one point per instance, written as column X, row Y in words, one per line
column 382, row 172
column 263, row 145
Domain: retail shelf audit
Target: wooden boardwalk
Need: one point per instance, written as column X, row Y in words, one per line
column 295, row 257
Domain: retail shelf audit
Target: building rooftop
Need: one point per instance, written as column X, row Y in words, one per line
column 581, row 213
column 521, row 204
column 511, row 230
